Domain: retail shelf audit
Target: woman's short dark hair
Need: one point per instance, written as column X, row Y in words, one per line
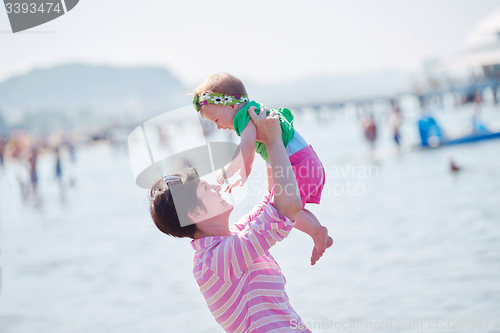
column 167, row 216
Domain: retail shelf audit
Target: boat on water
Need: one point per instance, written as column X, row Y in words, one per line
column 466, row 75
column 431, row 135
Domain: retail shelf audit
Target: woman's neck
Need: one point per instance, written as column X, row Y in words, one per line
column 215, row 226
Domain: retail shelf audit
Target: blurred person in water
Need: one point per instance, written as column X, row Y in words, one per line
column 59, row 172
column 370, row 131
column 3, row 145
column 32, row 167
column 395, row 121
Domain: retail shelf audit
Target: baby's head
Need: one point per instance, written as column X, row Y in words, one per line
column 219, row 98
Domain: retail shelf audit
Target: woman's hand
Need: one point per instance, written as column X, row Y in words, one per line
column 268, row 127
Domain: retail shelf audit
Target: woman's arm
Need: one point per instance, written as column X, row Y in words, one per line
column 274, row 222
column 256, row 211
column 286, row 192
column 234, row 254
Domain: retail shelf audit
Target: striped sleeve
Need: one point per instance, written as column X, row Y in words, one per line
column 234, row 254
column 256, row 211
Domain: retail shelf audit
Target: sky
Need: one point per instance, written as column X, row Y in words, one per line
column 267, row 41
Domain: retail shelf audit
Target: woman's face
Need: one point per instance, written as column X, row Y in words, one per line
column 215, row 205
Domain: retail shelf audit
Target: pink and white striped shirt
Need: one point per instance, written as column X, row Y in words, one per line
column 240, row 280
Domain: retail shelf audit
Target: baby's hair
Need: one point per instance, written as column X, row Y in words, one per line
column 221, row 83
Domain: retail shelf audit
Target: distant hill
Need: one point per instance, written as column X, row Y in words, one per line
column 94, row 92
column 79, row 95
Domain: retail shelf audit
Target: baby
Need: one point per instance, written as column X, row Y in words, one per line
column 222, row 98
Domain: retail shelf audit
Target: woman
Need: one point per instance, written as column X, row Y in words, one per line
column 240, row 281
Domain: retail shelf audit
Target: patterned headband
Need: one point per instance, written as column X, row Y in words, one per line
column 218, row 98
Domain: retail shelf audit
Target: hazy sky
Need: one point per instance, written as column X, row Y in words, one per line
column 262, row 40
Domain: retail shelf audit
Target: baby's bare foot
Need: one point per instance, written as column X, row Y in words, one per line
column 316, row 254
column 319, row 239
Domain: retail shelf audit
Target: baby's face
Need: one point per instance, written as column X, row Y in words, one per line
column 222, row 115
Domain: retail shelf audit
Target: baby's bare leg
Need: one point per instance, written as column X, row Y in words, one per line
column 307, row 222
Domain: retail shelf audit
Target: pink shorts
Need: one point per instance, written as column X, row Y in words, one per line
column 309, row 173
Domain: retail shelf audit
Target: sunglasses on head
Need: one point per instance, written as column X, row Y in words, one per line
column 172, row 179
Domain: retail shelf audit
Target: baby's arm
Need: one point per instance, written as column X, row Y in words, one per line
column 230, row 169
column 247, row 148
column 269, row 179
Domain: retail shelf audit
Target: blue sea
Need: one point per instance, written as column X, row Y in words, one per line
column 417, row 247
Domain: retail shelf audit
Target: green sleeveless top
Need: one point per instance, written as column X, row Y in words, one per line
column 242, row 118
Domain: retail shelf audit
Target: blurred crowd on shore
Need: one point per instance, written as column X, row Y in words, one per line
column 23, row 149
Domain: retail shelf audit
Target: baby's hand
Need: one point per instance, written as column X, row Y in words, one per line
column 239, row 181
column 220, row 177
